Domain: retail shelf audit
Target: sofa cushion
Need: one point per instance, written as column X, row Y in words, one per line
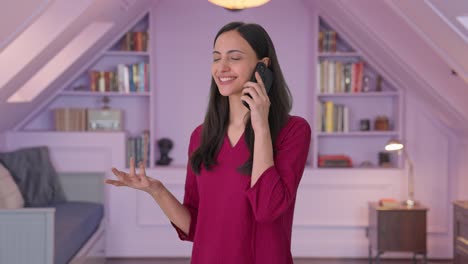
column 75, row 223
column 35, row 175
column 10, row 196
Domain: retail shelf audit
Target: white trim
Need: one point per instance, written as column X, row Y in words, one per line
column 93, row 249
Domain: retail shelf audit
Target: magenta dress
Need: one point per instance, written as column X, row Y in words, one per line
column 234, row 223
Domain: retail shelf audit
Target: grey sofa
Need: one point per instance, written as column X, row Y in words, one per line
column 51, row 228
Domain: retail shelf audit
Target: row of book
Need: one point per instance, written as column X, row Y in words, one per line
column 327, row 41
column 332, row 117
column 134, row 41
column 138, row 147
column 339, row 77
column 126, row 78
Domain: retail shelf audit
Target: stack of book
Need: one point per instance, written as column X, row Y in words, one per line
column 70, row 119
column 389, row 203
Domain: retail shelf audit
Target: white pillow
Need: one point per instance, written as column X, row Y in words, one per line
column 10, row 196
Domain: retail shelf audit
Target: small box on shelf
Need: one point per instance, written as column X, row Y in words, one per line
column 104, row 120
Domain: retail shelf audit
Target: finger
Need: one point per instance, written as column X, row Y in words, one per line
column 122, row 176
column 132, row 174
column 248, row 100
column 115, row 183
column 118, row 174
column 142, row 174
column 260, row 83
column 250, row 90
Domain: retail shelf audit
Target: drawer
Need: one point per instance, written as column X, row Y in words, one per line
column 461, row 228
column 460, row 259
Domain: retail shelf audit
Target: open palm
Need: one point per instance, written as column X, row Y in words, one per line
column 132, row 179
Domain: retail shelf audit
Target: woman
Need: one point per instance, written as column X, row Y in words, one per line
column 245, row 164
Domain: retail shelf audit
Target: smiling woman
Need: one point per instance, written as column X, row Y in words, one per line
column 245, row 164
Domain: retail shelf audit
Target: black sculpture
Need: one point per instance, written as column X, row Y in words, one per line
column 165, row 145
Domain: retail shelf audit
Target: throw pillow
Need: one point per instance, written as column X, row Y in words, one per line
column 35, row 176
column 10, row 196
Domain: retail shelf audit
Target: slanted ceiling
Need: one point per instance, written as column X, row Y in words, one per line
column 391, row 36
column 119, row 13
column 411, row 42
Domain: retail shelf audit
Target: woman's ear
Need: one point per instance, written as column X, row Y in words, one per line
column 266, row 60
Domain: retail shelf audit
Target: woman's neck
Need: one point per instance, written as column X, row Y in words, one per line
column 237, row 111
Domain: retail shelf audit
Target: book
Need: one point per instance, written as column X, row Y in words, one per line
column 389, row 202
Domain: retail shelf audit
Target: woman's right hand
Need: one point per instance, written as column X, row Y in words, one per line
column 136, row 181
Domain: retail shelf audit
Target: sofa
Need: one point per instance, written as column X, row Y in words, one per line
column 38, row 222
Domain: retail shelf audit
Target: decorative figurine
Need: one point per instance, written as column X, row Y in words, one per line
column 165, row 145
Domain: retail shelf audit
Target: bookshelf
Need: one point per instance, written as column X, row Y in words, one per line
column 119, row 79
column 356, row 109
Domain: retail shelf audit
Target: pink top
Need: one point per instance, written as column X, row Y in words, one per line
column 234, row 223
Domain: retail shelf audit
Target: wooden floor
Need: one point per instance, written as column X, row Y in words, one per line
column 296, row 261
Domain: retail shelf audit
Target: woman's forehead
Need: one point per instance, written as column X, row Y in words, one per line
column 231, row 40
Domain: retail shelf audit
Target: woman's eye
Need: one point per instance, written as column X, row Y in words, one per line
column 215, row 59
column 235, row 58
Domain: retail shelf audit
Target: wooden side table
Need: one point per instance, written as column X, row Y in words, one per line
column 400, row 228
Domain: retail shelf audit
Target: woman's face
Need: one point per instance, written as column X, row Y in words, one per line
column 234, row 61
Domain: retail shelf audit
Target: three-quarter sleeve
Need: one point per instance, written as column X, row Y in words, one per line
column 275, row 191
column 191, row 197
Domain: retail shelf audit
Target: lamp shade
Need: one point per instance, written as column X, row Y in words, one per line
column 238, row 4
column 394, row 145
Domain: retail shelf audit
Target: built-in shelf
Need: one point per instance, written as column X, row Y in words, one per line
column 360, row 94
column 338, row 54
column 86, row 93
column 357, row 134
column 126, row 53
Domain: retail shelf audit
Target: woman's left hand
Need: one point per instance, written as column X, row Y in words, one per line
column 259, row 103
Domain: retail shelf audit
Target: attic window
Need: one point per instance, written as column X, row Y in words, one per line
column 463, row 20
column 60, row 62
column 58, row 16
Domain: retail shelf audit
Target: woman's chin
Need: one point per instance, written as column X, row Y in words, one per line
column 228, row 92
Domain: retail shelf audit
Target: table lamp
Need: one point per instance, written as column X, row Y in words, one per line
column 396, row 145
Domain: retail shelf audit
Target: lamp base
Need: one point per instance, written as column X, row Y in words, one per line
column 409, row 203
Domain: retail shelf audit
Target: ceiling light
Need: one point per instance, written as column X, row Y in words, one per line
column 238, row 4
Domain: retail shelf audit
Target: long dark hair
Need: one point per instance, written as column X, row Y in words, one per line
column 217, row 114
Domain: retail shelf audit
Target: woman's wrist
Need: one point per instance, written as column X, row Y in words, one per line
column 263, row 131
column 155, row 188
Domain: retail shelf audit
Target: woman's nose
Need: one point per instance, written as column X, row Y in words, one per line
column 223, row 65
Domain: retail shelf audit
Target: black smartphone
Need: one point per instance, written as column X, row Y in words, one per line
column 266, row 75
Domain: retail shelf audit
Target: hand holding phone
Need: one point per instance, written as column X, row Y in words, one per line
column 267, row 78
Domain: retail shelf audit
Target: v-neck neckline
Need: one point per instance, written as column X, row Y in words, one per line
column 235, row 144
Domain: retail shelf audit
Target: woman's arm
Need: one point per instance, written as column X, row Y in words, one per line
column 177, row 213
column 263, row 154
column 275, row 189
